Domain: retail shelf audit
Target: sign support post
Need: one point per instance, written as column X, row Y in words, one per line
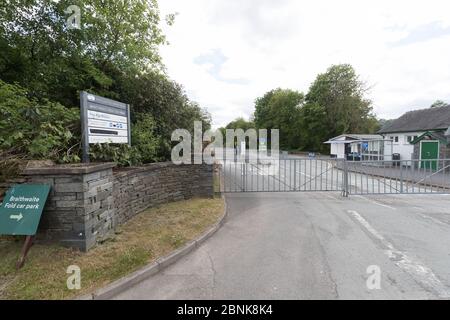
column 129, row 124
column 84, row 127
column 26, row 247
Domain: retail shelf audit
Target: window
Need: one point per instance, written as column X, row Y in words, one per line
column 411, row 138
column 394, row 138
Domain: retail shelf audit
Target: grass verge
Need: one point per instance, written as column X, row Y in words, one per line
column 145, row 238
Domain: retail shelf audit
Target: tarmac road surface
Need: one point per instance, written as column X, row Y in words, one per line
column 316, row 245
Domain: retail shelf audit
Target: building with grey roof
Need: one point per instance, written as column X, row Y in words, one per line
column 419, row 134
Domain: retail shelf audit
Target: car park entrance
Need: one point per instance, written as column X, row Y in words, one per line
column 336, row 175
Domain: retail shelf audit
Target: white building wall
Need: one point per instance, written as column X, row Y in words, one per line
column 338, row 149
column 400, row 145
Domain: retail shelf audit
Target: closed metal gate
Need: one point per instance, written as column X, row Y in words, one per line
column 398, row 177
column 347, row 177
column 284, row 175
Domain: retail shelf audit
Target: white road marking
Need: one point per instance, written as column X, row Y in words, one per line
column 376, row 202
column 417, row 270
column 427, row 217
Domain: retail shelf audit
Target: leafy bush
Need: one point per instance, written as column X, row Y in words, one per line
column 144, row 138
column 122, row 154
column 37, row 130
column 30, row 129
column 145, row 145
column 154, row 95
column 114, row 55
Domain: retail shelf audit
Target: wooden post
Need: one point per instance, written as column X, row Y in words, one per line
column 26, row 247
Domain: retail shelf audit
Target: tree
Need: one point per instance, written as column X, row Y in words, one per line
column 438, row 104
column 40, row 53
column 240, row 123
column 312, row 127
column 337, row 99
column 153, row 94
column 113, row 54
column 280, row 109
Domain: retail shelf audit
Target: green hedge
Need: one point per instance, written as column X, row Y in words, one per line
column 37, row 130
column 32, row 129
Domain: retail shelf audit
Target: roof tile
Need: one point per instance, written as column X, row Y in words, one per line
column 420, row 120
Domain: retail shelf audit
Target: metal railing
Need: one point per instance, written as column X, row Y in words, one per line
column 398, row 177
column 348, row 177
column 283, row 175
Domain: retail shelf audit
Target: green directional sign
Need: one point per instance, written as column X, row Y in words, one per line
column 21, row 209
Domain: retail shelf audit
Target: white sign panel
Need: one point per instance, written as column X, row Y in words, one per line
column 103, row 121
column 107, row 139
column 107, row 128
column 106, row 116
column 107, row 124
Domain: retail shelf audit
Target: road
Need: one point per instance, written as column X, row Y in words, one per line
column 316, row 245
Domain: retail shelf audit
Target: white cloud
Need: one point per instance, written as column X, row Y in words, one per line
column 401, row 48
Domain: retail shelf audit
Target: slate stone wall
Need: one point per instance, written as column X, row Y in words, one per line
column 80, row 209
column 140, row 188
column 86, row 203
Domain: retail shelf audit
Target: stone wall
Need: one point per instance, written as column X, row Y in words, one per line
column 79, row 211
column 87, row 202
column 137, row 189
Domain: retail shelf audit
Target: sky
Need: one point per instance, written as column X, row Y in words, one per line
column 226, row 53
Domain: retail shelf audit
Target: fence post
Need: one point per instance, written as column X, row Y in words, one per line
column 295, row 175
column 243, row 176
column 345, row 191
column 246, row 177
column 401, row 177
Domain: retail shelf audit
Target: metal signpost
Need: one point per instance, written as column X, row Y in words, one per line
column 103, row 121
column 21, row 212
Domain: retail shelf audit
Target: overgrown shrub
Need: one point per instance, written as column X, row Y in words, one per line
column 145, row 140
column 144, row 149
column 122, row 154
column 37, row 130
column 30, row 129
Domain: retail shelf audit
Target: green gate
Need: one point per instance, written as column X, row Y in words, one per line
column 429, row 152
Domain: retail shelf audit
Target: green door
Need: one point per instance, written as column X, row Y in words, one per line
column 430, row 151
